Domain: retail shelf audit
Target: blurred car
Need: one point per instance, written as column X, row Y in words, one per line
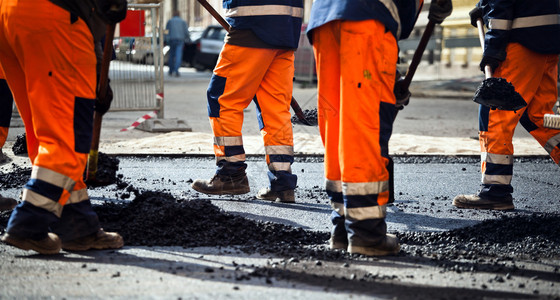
column 142, row 51
column 123, row 46
column 209, row 47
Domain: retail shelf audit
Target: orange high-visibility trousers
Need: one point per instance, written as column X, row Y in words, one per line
column 49, row 62
column 356, row 66
column 534, row 76
column 265, row 75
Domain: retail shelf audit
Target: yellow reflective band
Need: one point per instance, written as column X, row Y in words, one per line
column 228, row 140
column 264, row 10
column 334, row 186
column 77, row 196
column 496, row 179
column 366, row 213
column 552, row 143
column 499, row 159
column 365, row 188
column 42, row 202
column 279, row 149
column 524, row 22
column 280, row 166
column 52, row 177
column 338, row 207
column 235, row 158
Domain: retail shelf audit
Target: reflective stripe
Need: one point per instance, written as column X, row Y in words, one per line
column 234, row 158
column 552, row 143
column 338, row 207
column 366, row 213
column 42, row 202
column 496, row 179
column 334, row 186
column 228, row 140
column 264, row 10
column 281, row 149
column 524, row 22
column 364, row 188
column 390, row 5
column 280, row 166
column 78, row 196
column 500, row 159
column 53, row 178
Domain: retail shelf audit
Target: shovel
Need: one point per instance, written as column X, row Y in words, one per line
column 494, row 92
column 91, row 172
column 293, row 103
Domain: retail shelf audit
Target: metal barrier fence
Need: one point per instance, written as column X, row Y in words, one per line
column 137, row 72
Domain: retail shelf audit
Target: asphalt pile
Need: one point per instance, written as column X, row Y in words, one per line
column 494, row 92
column 310, row 117
column 20, row 145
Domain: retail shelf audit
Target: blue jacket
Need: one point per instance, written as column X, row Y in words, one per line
column 276, row 22
column 398, row 16
column 535, row 24
column 178, row 30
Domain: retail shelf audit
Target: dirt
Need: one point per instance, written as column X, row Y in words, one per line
column 107, row 167
column 20, row 145
column 310, row 117
column 498, row 93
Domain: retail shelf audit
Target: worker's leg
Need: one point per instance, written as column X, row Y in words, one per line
column 542, row 103
column 273, row 111
column 6, row 103
column 369, row 55
column 52, row 89
column 233, row 85
column 326, row 48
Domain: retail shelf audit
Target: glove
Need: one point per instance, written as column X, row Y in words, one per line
column 401, row 93
column 114, row 11
column 103, row 103
column 492, row 62
column 475, row 14
column 439, row 10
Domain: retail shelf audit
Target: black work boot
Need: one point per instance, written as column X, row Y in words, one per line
column 223, row 185
column 478, row 202
column 287, row 196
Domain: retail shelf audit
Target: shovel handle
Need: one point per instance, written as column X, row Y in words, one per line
column 480, row 27
column 215, row 14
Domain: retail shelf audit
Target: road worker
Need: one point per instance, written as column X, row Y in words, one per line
column 522, row 45
column 47, row 52
column 255, row 64
column 356, row 51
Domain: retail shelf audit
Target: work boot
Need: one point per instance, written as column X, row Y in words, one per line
column 388, row 246
column 475, row 201
column 3, row 157
column 98, row 240
column 49, row 245
column 7, row 203
column 223, row 185
column 287, row 196
column 338, row 244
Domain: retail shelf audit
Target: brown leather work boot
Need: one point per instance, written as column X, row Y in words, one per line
column 48, row 245
column 7, row 203
column 389, row 246
column 287, row 196
column 98, row 240
column 223, row 185
column 477, row 202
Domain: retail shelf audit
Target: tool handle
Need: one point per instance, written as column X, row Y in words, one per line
column 418, row 53
column 480, row 27
column 101, row 91
column 215, row 14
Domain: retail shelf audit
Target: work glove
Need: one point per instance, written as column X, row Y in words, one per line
column 439, row 10
column 492, row 62
column 113, row 10
column 103, row 103
column 475, row 14
column 402, row 94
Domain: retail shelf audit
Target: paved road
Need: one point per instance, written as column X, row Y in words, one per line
column 423, row 203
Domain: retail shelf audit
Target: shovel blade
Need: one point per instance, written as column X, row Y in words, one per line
column 497, row 93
